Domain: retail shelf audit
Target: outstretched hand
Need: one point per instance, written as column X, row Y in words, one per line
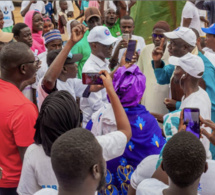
column 157, row 53
column 107, row 80
column 129, row 64
column 78, row 33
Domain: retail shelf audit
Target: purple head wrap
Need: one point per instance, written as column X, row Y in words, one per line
column 129, row 85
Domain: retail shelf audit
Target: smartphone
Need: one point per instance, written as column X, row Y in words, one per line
column 91, row 79
column 191, row 120
column 125, row 37
column 130, row 50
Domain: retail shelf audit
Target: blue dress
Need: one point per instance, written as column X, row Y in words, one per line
column 146, row 140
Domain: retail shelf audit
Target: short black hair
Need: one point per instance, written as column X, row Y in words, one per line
column 17, row 28
column 58, row 114
column 73, row 156
column 53, row 54
column 127, row 17
column 184, row 159
column 18, row 50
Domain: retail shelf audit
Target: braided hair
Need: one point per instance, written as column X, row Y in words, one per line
column 59, row 113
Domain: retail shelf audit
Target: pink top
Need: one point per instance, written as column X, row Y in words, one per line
column 94, row 4
column 38, row 41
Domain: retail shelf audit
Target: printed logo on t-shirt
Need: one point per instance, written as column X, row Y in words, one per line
column 118, row 33
column 49, row 186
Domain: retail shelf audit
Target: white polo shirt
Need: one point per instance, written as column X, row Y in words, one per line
column 140, row 45
column 38, row 6
column 96, row 100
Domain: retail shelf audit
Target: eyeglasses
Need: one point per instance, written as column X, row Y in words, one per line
column 108, row 46
column 36, row 62
column 160, row 36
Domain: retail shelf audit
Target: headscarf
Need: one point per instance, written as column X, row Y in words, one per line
column 129, row 85
column 58, row 114
column 38, row 45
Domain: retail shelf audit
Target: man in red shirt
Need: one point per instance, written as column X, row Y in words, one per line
column 17, row 114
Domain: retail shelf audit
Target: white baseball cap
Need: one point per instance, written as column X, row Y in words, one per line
column 190, row 63
column 102, row 35
column 184, row 33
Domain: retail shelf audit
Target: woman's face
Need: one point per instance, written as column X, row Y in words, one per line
column 47, row 26
column 37, row 23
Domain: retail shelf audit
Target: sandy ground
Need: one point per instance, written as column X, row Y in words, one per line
column 19, row 18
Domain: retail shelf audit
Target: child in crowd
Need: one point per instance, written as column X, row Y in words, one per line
column 7, row 9
column 47, row 25
column 34, row 21
column 62, row 21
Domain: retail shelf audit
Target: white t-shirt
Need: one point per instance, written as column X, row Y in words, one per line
column 140, row 45
column 201, row 100
column 38, row 6
column 43, row 69
column 37, row 170
column 73, row 86
column 210, row 54
column 96, row 100
column 70, row 8
column 7, row 7
column 151, row 187
column 47, row 191
column 144, row 170
column 191, row 11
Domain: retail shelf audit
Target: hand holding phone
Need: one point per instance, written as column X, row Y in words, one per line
column 131, row 50
column 191, row 120
column 91, row 79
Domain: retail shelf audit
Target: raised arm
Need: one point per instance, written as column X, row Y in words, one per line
column 26, row 9
column 122, row 121
column 54, row 70
column 122, row 8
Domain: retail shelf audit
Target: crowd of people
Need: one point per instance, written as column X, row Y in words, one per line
column 125, row 136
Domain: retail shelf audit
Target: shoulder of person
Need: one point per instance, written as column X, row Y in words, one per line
column 151, row 186
column 32, row 149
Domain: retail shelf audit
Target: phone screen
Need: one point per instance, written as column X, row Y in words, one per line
column 131, row 50
column 91, row 79
column 191, row 120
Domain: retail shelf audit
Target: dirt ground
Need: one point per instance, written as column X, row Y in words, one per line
column 19, row 18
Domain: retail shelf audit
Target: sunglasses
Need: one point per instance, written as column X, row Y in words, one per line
column 160, row 36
